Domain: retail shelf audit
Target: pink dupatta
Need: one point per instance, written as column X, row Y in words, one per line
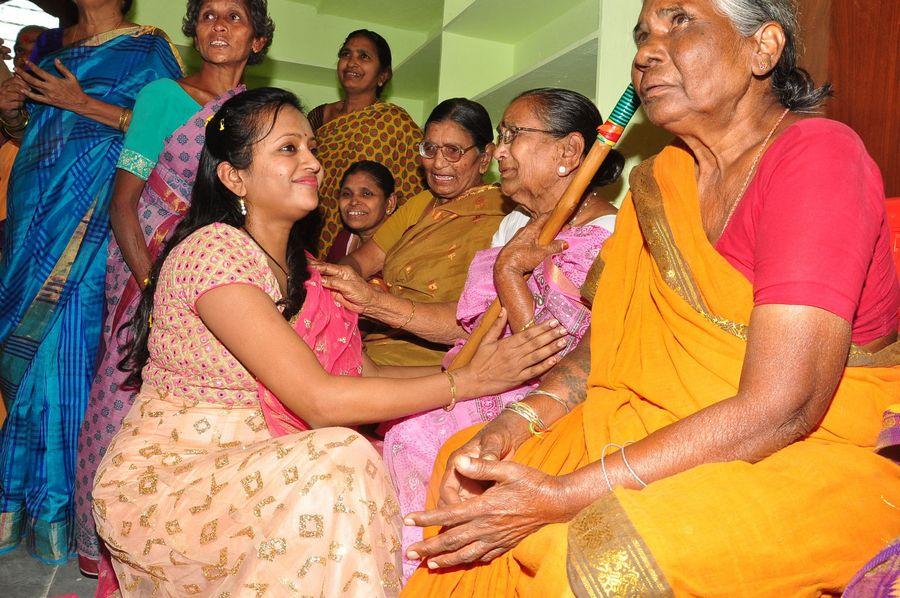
column 331, row 332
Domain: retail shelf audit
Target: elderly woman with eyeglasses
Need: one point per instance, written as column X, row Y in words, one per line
column 425, row 248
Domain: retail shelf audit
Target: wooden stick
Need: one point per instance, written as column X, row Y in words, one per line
column 608, row 134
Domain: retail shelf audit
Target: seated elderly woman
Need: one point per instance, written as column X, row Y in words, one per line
column 544, row 135
column 365, row 198
column 425, row 248
column 744, row 346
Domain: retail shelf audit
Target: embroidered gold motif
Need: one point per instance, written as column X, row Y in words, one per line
column 371, row 469
column 259, row 588
column 357, row 575
column 210, row 532
column 150, row 451
column 312, row 482
column 372, row 506
column 312, row 451
column 607, row 557
column 269, row 549
column 192, row 589
column 252, row 484
column 147, row 516
column 291, row 475
column 202, row 507
column 173, row 527
column 360, row 544
column 312, row 526
column 390, row 578
column 336, row 552
column 221, row 461
column 100, row 507
column 344, row 443
column 151, row 543
column 348, row 476
column 313, row 560
column 126, row 528
column 256, row 421
column 171, row 459
column 340, row 507
column 247, row 531
column 202, row 425
column 257, row 510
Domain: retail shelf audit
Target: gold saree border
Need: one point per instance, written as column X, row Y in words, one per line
column 608, row 558
column 648, row 205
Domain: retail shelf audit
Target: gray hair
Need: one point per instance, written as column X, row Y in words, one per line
column 792, row 85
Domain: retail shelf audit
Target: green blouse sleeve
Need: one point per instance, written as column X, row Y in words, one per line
column 161, row 107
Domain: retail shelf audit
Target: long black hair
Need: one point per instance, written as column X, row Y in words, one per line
column 231, row 135
column 564, row 111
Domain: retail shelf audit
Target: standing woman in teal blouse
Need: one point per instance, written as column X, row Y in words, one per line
column 152, row 191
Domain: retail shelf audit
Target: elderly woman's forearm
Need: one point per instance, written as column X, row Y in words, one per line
column 435, row 322
column 516, row 297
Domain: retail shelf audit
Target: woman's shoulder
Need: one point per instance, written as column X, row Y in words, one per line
column 159, row 90
column 213, row 239
column 820, row 130
column 395, row 111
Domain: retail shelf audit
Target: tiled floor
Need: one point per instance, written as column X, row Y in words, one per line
column 22, row 576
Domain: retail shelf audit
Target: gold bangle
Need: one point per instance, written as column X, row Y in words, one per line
column 525, row 411
column 538, row 391
column 528, row 325
column 412, row 312
column 124, row 119
column 452, row 402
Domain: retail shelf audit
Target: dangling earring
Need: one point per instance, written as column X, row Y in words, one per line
column 243, row 206
column 561, row 170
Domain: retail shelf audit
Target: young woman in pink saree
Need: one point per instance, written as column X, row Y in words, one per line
column 213, row 486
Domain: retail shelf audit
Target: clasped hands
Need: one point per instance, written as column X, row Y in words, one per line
column 488, row 503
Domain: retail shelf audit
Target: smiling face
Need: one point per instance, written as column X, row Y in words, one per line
column 690, row 63
column 225, row 33
column 363, row 203
column 446, row 179
column 282, row 181
column 528, row 164
column 358, row 68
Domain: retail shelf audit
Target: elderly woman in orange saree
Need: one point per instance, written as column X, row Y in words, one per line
column 721, row 444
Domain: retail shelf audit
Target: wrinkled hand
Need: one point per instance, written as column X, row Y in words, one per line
column 12, row 97
column 347, row 286
column 63, row 92
column 523, row 254
column 503, row 363
column 496, row 441
column 520, row 501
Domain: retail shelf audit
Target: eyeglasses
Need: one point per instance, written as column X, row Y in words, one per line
column 509, row 134
column 452, row 153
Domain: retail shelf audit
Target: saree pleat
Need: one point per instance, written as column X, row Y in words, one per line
column 51, row 282
column 669, row 328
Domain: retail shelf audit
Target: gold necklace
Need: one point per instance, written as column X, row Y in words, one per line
column 759, row 153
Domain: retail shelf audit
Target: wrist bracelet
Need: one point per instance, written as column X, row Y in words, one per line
column 124, row 120
column 412, row 312
column 538, row 391
column 525, row 411
column 452, row 403
column 528, row 325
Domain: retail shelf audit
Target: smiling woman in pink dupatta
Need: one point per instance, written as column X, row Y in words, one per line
column 156, row 172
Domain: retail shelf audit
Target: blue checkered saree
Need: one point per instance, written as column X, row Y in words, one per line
column 52, row 282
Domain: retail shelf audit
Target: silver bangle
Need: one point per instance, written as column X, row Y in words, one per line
column 603, row 463
column 538, row 391
column 630, row 470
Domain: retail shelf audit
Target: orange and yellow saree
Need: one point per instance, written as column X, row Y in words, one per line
column 669, row 329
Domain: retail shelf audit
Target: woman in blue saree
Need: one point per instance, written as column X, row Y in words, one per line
column 53, row 263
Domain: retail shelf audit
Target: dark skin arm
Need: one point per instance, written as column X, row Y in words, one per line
column 435, row 322
column 516, row 260
column 123, row 217
column 367, row 259
column 65, row 93
column 795, row 358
